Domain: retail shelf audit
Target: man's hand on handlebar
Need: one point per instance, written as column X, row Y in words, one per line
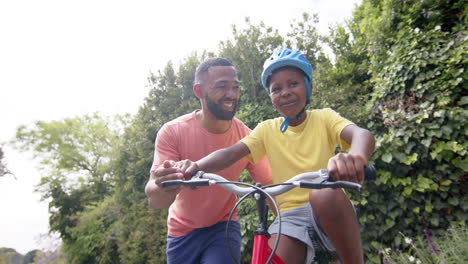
column 347, row 167
column 165, row 172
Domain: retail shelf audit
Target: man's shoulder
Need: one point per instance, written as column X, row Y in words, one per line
column 177, row 126
column 181, row 120
column 236, row 121
column 238, row 127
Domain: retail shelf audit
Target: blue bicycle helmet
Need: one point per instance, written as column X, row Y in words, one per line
column 285, row 57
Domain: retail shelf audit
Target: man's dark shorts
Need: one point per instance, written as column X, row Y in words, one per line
column 205, row 245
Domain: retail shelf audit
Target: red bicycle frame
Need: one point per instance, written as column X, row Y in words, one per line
column 261, row 251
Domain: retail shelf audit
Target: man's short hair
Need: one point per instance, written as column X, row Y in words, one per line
column 207, row 64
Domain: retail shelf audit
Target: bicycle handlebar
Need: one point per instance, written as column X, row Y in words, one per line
column 311, row 180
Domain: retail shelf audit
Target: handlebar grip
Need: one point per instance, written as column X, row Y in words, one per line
column 370, row 174
column 337, row 184
column 165, row 184
column 191, row 183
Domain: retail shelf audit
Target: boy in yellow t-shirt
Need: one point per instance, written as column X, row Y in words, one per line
column 301, row 141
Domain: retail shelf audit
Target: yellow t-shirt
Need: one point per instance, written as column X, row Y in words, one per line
column 303, row 148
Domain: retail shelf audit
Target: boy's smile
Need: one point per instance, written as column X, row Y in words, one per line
column 289, row 103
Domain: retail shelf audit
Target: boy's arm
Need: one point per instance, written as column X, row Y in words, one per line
column 361, row 140
column 215, row 161
column 350, row 166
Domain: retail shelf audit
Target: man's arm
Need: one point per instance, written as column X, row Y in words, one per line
column 158, row 197
column 350, row 166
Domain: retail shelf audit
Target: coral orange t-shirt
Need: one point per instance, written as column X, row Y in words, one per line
column 184, row 138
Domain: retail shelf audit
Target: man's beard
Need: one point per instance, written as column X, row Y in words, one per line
column 218, row 111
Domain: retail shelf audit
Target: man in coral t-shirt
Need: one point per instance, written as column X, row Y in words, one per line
column 196, row 221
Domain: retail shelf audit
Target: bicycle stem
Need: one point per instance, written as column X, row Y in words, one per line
column 262, row 209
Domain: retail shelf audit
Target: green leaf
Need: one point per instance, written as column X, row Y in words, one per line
column 423, row 184
column 428, row 208
column 363, row 201
column 459, row 163
column 384, row 177
column 389, row 223
column 376, row 245
column 387, row 157
column 427, row 142
column 463, row 100
column 453, row 201
column 411, row 159
column 446, row 183
column 407, row 191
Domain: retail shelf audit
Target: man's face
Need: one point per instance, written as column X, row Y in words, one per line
column 222, row 91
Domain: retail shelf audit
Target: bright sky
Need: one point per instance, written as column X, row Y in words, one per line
column 63, row 58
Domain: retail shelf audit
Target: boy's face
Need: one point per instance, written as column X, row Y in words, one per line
column 287, row 91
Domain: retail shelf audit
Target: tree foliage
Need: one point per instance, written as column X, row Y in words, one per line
column 418, row 72
column 75, row 156
column 248, row 50
column 3, row 165
column 9, row 255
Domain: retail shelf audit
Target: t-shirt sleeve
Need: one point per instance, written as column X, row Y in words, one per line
column 254, row 141
column 165, row 147
column 336, row 124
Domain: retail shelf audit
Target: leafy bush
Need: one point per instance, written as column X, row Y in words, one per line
column 450, row 248
column 418, row 113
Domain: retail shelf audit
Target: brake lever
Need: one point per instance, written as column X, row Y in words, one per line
column 198, row 175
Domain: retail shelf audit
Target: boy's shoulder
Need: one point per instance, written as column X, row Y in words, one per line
column 317, row 113
column 322, row 113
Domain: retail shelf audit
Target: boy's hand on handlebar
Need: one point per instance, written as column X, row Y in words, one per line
column 347, row 167
column 187, row 167
column 166, row 172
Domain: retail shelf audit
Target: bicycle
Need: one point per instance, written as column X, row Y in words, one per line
column 261, row 252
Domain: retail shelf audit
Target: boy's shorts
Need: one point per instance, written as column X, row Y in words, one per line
column 205, row 245
column 299, row 223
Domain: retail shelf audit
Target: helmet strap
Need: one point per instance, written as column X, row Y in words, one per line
column 284, row 126
column 308, row 89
